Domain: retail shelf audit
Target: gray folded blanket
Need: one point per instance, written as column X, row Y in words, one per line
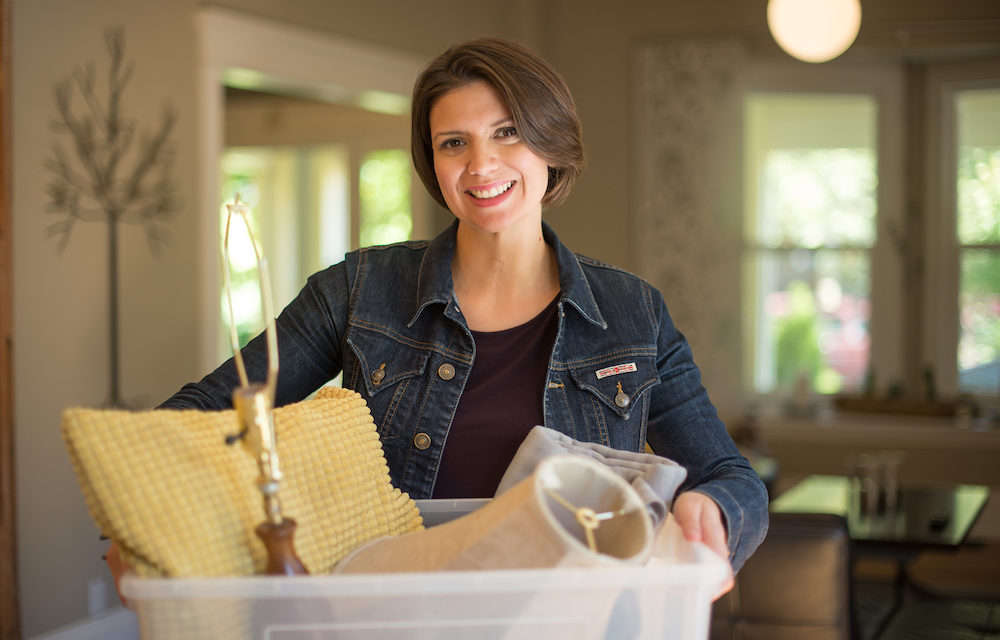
column 654, row 478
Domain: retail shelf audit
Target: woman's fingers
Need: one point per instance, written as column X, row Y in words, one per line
column 118, row 568
column 701, row 521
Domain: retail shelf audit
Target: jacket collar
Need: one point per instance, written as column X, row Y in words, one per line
column 434, row 285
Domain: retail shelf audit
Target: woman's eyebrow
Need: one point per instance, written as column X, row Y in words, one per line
column 446, row 134
column 457, row 132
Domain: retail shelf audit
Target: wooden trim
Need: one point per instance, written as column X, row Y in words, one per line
column 9, row 606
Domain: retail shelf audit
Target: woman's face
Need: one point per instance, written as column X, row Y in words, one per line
column 489, row 177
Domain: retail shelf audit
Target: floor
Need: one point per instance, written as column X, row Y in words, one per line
column 945, row 620
column 924, row 615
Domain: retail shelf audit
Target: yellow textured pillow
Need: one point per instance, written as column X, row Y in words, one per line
column 181, row 502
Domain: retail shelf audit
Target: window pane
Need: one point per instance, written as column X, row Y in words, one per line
column 386, row 215
column 979, row 195
column 812, row 184
column 979, row 321
column 813, row 323
column 978, row 230
column 818, row 197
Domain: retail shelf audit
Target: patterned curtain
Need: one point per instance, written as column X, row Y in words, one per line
column 688, row 137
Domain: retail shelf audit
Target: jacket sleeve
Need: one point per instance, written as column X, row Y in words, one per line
column 310, row 331
column 684, row 425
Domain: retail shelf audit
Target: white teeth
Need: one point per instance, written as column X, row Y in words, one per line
column 491, row 193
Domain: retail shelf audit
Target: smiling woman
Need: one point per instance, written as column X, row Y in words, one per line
column 462, row 344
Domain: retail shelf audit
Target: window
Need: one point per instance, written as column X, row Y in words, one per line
column 300, row 198
column 851, row 283
column 811, row 187
column 977, row 207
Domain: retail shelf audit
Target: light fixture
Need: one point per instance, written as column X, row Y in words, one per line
column 814, row 30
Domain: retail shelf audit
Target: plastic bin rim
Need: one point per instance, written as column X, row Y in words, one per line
column 687, row 575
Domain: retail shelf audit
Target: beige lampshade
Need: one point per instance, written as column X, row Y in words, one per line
column 814, row 30
column 530, row 526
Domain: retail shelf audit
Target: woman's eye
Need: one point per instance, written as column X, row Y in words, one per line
column 507, row 132
column 451, row 143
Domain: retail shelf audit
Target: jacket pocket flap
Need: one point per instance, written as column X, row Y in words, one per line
column 384, row 362
column 635, row 374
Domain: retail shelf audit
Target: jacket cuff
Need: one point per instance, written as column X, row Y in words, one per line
column 745, row 528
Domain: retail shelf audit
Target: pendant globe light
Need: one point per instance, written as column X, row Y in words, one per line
column 814, row 30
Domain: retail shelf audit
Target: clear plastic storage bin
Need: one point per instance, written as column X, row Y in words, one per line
column 664, row 600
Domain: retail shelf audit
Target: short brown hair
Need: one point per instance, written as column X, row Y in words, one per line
column 537, row 96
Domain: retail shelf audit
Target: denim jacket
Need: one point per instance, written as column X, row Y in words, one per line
column 620, row 373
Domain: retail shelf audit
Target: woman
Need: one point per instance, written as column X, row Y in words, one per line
column 460, row 345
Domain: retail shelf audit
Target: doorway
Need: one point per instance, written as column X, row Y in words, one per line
column 244, row 53
column 319, row 179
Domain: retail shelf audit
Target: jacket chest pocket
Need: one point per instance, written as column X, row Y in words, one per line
column 613, row 399
column 386, row 374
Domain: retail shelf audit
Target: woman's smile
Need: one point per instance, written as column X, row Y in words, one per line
column 492, row 194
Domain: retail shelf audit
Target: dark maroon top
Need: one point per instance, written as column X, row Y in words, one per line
column 501, row 402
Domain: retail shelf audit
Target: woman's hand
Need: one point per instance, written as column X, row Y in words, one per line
column 701, row 521
column 118, row 568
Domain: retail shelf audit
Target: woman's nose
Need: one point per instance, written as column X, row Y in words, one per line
column 482, row 160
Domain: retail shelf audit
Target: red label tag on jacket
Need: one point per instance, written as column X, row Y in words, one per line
column 615, row 370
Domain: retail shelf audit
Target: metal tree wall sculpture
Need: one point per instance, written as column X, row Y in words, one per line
column 105, row 173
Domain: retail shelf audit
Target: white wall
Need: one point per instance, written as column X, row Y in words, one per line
column 61, row 300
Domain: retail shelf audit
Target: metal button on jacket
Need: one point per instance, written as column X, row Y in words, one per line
column 446, row 372
column 378, row 374
column 622, row 399
column 421, row 441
